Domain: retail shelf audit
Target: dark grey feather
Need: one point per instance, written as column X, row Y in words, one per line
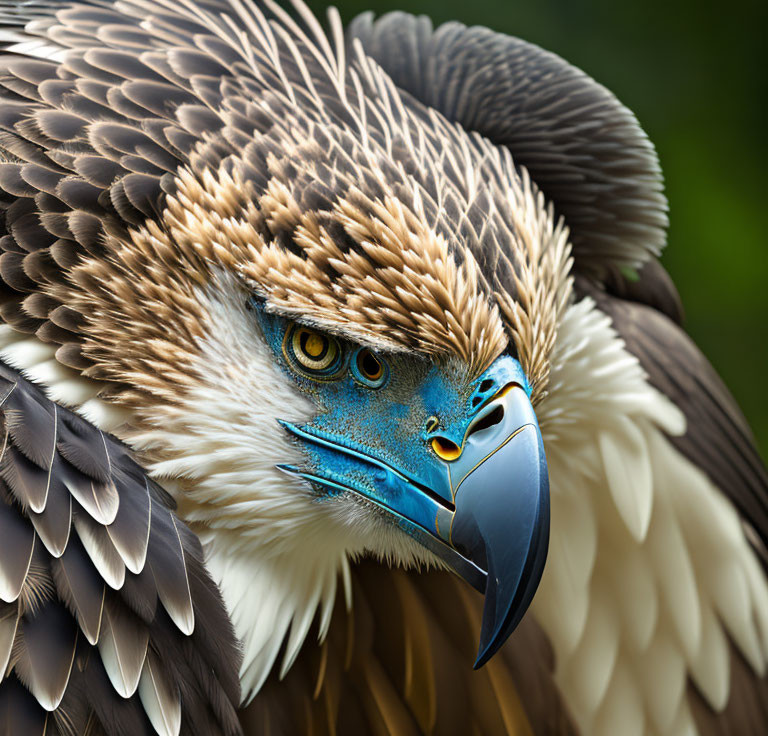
column 99, row 499
column 17, row 541
column 54, row 522
column 84, row 447
column 19, row 711
column 166, row 556
column 129, row 531
column 80, row 588
column 65, row 584
column 32, row 425
column 12, row 272
column 49, row 637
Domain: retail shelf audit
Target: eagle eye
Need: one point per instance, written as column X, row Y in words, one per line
column 369, row 369
column 312, row 353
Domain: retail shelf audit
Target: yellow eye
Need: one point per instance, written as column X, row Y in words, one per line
column 312, row 352
column 369, row 369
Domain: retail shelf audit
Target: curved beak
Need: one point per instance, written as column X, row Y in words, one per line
column 501, row 522
column 484, row 512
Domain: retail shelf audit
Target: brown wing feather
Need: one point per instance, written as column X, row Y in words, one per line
column 400, row 662
column 78, row 641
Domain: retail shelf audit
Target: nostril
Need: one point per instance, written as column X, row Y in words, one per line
column 445, row 448
column 476, row 401
column 486, row 385
column 489, row 420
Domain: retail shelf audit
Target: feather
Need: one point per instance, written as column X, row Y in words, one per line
column 637, row 598
column 100, row 549
column 710, row 669
column 130, row 530
column 661, row 675
column 731, row 598
column 160, row 701
column 166, row 557
column 32, row 70
column 53, row 524
column 48, row 637
column 674, row 571
column 60, row 125
column 383, row 704
column 97, row 171
column 746, row 711
column 115, row 715
column 12, row 182
column 28, row 481
column 623, row 712
column 84, row 447
column 156, row 97
column 628, row 470
column 589, row 669
column 12, row 272
column 123, row 647
column 79, row 195
column 142, row 191
column 9, row 621
column 100, row 500
column 419, row 686
column 81, row 588
column 684, row 724
column 573, row 547
column 39, row 305
column 17, row 542
column 32, row 427
column 41, row 178
column 19, row 712
column 121, row 63
column 140, row 594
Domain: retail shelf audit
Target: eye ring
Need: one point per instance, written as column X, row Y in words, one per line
column 312, row 353
column 369, row 369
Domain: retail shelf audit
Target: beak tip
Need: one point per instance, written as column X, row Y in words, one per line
column 510, row 526
column 483, row 655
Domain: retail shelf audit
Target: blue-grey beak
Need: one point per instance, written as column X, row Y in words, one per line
column 482, row 506
column 501, row 522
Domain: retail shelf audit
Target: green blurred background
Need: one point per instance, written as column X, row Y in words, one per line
column 696, row 76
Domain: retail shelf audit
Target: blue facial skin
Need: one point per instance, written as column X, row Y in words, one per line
column 376, row 441
column 481, row 505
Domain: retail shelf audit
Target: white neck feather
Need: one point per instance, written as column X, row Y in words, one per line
column 648, row 565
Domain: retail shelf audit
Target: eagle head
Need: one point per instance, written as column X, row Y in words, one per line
column 330, row 344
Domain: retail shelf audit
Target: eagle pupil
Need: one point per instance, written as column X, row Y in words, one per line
column 313, row 345
column 369, row 365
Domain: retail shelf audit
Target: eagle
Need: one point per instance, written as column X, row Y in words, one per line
column 342, row 391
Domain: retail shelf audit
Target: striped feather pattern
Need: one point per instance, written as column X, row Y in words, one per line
column 102, row 588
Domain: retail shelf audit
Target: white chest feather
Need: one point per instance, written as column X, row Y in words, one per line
column 648, row 567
